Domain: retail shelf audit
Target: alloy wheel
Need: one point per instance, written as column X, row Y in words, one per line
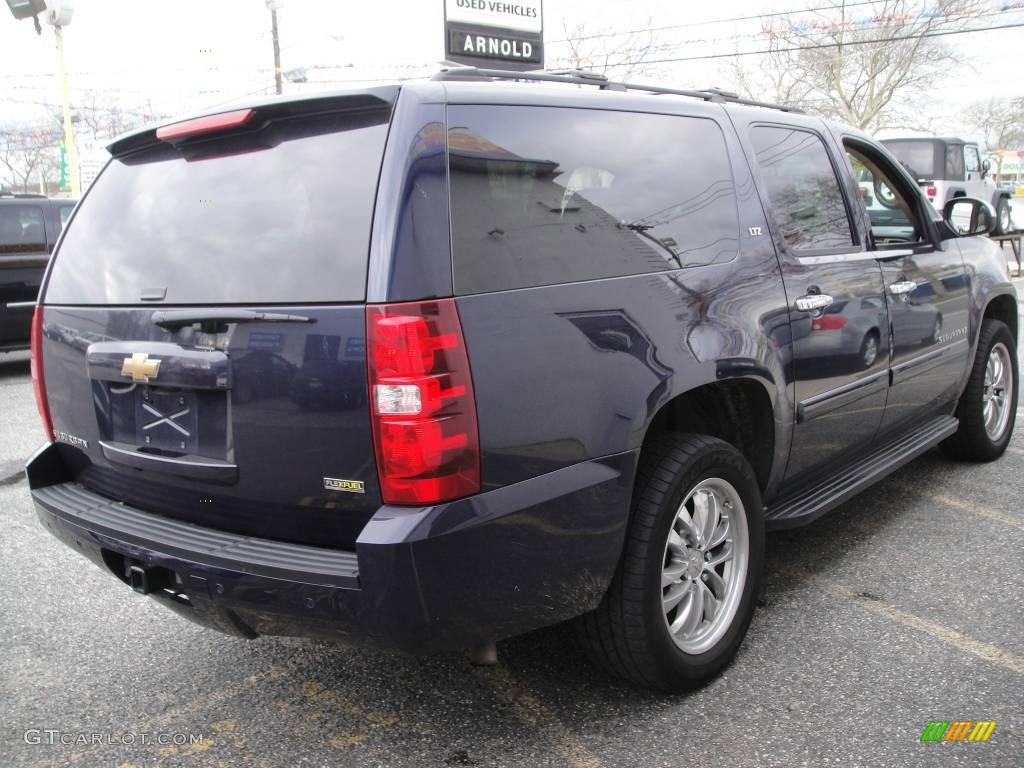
column 997, row 392
column 705, row 565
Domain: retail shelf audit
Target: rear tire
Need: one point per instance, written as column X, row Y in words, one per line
column 681, row 601
column 988, row 406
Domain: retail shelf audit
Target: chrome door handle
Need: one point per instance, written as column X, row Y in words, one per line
column 813, row 301
column 902, row 288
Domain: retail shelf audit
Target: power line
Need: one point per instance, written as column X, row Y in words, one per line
column 844, row 44
column 596, row 36
column 943, row 22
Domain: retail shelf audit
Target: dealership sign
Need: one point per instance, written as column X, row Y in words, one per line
column 496, row 34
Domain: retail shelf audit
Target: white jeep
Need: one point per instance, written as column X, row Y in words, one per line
column 947, row 168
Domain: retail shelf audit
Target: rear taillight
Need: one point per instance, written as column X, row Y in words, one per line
column 930, row 191
column 828, row 323
column 421, row 403
column 38, row 382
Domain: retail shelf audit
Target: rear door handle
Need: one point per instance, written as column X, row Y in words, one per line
column 902, row 288
column 813, row 301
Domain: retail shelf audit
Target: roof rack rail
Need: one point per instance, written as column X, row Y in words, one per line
column 583, row 77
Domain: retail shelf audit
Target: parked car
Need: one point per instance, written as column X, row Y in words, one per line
column 947, row 168
column 29, row 226
column 848, row 331
column 572, row 331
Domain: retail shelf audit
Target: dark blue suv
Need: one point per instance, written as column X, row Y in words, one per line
column 434, row 365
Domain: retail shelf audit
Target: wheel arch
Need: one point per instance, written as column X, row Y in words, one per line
column 737, row 409
column 1000, row 194
column 1003, row 307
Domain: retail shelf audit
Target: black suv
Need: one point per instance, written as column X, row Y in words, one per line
column 29, row 227
column 432, row 365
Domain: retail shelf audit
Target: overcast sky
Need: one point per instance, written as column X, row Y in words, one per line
column 187, row 55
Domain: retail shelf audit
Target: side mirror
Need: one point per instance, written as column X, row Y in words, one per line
column 966, row 216
column 986, row 166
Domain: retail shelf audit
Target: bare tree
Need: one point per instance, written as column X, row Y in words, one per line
column 868, row 72
column 25, row 152
column 101, row 113
column 608, row 52
column 1001, row 125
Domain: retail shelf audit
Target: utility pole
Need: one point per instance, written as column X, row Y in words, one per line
column 58, row 15
column 69, row 137
column 274, row 5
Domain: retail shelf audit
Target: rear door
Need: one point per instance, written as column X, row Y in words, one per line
column 204, row 325
column 835, row 292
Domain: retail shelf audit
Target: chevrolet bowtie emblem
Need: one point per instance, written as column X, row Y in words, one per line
column 140, row 367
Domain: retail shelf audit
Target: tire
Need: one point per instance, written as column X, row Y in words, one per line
column 629, row 633
column 936, row 334
column 1004, row 224
column 868, row 353
column 980, row 437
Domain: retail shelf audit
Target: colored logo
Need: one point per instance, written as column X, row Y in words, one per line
column 958, row 730
column 140, row 367
column 351, row 486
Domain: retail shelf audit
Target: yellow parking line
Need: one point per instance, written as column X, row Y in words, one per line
column 1018, row 451
column 964, row 506
column 531, row 712
column 974, row 509
column 318, row 694
column 156, row 724
column 959, row 640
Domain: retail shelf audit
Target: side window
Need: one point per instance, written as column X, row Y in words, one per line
column 971, row 162
column 65, row 214
column 21, row 229
column 547, row 195
column 890, row 212
column 802, row 188
column 954, row 163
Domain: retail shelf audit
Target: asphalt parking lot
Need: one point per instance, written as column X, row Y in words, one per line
column 901, row 607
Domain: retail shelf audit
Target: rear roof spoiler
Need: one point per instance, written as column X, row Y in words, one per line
column 268, row 109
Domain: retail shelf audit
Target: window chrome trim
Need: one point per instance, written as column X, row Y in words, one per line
column 837, row 258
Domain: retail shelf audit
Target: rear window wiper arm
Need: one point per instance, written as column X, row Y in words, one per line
column 212, row 319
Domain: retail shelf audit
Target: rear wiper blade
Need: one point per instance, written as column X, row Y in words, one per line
column 214, row 318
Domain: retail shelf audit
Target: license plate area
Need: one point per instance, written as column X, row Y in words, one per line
column 166, row 419
column 175, row 421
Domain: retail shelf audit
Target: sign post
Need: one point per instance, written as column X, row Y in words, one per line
column 65, row 175
column 495, row 34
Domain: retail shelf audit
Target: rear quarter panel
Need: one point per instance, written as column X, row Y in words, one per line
column 570, row 372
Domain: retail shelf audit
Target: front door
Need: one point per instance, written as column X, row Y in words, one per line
column 926, row 288
column 974, row 176
column 835, row 289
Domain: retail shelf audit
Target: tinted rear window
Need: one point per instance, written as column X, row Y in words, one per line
column 802, row 188
column 280, row 216
column 918, row 156
column 545, row 195
column 21, row 229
